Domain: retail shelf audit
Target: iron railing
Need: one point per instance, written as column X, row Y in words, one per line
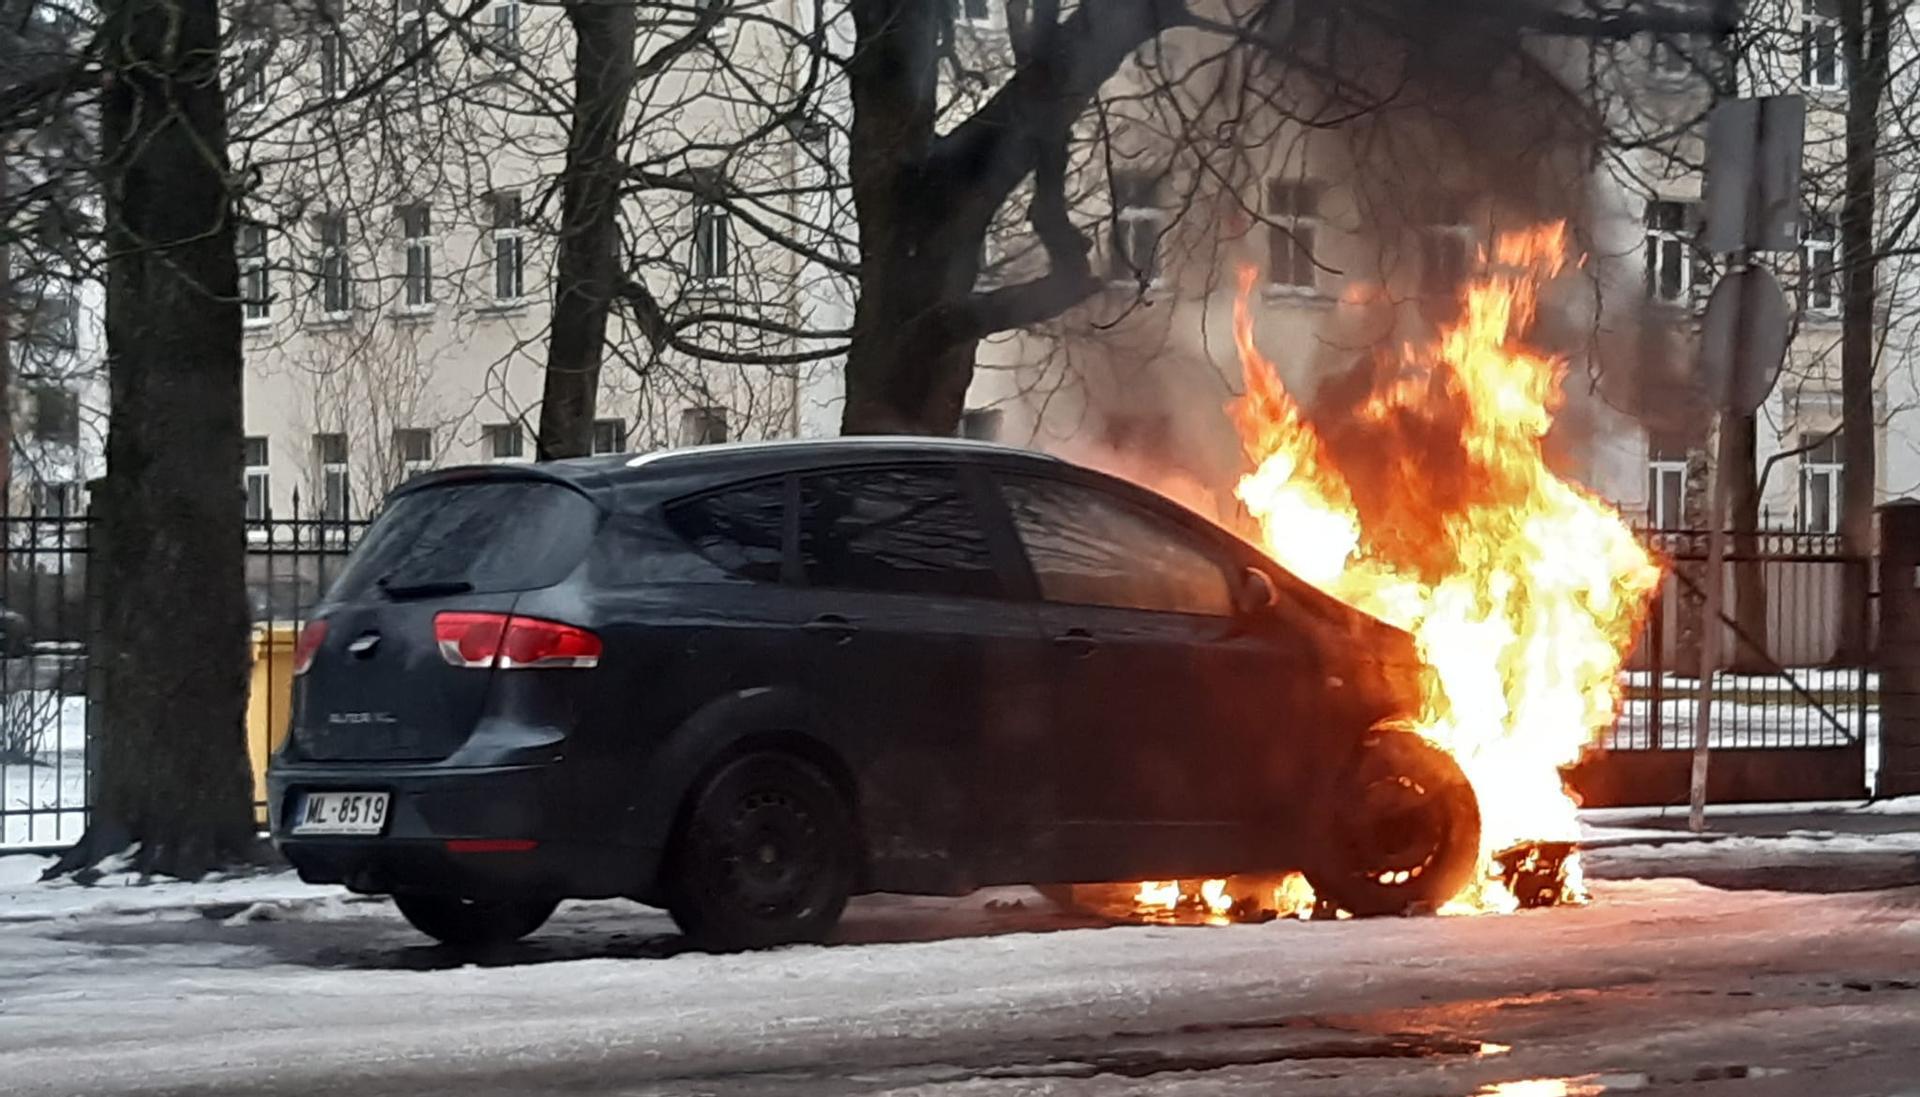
column 45, row 720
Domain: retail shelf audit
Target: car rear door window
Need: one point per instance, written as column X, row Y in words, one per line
column 484, row 537
column 738, row 530
column 903, row 530
column 1087, row 548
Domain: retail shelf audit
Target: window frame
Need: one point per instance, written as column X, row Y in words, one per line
column 1658, row 238
column 506, row 237
column 713, row 245
column 1825, row 476
column 1136, row 211
column 334, row 271
column 335, row 477
column 256, row 279
column 1659, row 469
column 620, row 430
column 1294, row 230
column 1820, row 32
column 1820, row 257
column 256, row 478
column 504, row 34
column 412, row 466
column 416, row 258
column 1205, row 541
column 490, row 433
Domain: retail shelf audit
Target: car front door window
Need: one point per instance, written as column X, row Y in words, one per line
column 1086, row 549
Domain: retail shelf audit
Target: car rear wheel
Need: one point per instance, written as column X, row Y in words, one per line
column 474, row 923
column 766, row 855
column 1407, row 833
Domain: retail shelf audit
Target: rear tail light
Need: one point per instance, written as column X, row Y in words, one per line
column 307, row 646
column 485, row 640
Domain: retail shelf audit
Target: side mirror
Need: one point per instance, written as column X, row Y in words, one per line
column 1256, row 594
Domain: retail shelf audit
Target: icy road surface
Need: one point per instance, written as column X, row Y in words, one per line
column 1663, row 986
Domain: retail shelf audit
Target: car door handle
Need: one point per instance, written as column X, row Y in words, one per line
column 1076, row 641
column 832, row 625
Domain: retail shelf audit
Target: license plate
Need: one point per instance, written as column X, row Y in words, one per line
column 341, row 813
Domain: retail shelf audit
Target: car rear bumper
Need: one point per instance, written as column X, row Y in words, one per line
column 537, row 848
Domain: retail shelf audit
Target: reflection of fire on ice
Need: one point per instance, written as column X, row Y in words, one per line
column 1430, row 505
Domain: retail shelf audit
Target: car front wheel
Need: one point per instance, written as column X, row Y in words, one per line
column 1407, row 834
column 766, row 855
column 474, row 923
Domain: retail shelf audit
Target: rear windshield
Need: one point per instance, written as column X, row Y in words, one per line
column 487, row 537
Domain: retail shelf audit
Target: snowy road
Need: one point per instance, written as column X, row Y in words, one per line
column 1662, row 986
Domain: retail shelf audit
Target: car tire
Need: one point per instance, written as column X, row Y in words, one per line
column 474, row 923
column 765, row 855
column 1414, row 840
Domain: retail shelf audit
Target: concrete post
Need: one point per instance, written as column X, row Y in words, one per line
column 1899, row 648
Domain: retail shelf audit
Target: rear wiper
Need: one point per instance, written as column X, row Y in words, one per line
column 422, row 588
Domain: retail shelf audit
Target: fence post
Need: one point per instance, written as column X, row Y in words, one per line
column 1898, row 657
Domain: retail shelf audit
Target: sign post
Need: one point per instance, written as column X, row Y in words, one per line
column 1752, row 205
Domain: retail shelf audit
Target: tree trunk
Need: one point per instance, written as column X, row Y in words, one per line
column 1738, row 461
column 172, row 643
column 588, row 264
column 1864, row 33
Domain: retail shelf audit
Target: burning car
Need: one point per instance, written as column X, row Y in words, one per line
column 746, row 682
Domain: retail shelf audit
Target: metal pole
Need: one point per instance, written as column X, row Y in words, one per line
column 1711, row 629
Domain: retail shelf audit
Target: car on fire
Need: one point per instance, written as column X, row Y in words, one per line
column 745, row 682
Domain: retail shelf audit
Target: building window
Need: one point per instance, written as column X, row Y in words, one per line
column 57, row 498
column 410, row 33
column 609, row 436
column 977, row 12
column 330, row 454
column 503, row 442
column 1671, row 267
column 1673, row 56
column 332, row 48
column 251, row 81
column 1667, row 487
column 259, row 503
column 1822, row 472
column 1293, row 213
column 1819, row 264
column 712, row 243
column 413, row 448
column 1446, row 250
column 981, row 424
column 503, row 27
column 1820, row 65
column 1138, row 224
column 255, row 289
column 335, row 284
column 416, row 229
column 509, row 250
column 52, row 321
column 56, row 415
column 703, row 426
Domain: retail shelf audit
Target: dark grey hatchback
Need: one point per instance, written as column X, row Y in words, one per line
column 745, row 682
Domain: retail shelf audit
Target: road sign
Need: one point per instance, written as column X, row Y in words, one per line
column 1752, row 195
column 1743, row 340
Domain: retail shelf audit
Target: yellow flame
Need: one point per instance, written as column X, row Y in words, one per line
column 1539, row 584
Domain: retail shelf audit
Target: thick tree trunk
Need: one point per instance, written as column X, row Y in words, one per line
column 588, row 266
column 1865, row 31
column 172, row 643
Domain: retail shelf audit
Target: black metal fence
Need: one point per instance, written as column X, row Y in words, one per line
column 1794, row 715
column 44, row 716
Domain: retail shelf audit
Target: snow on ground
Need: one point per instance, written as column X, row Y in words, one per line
column 24, row 898
column 44, row 804
column 356, row 1005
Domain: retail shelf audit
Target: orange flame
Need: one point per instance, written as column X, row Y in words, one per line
column 1522, row 589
